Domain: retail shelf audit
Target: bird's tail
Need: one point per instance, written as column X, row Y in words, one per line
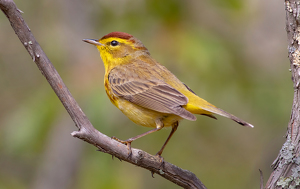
column 221, row 112
column 200, row 106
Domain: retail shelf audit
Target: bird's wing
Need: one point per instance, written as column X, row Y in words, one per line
column 151, row 94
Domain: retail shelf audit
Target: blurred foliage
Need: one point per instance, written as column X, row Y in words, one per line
column 228, row 52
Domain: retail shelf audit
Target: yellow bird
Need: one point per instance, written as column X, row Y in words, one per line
column 145, row 91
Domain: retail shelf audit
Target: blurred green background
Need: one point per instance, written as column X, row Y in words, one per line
column 231, row 53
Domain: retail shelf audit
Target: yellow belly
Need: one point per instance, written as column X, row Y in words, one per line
column 143, row 116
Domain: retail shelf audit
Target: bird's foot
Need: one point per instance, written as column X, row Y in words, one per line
column 161, row 159
column 126, row 142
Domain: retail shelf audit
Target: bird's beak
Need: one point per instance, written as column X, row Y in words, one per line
column 93, row 42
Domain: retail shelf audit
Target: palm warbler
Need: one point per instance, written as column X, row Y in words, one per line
column 145, row 91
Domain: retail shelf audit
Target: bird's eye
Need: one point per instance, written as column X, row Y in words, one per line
column 114, row 43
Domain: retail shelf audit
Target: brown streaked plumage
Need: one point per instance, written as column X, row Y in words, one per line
column 150, row 93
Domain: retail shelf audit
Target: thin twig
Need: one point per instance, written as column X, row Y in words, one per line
column 261, row 179
column 86, row 131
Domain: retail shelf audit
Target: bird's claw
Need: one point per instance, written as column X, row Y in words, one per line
column 126, row 142
column 161, row 160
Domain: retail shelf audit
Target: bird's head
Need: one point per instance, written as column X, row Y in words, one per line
column 118, row 47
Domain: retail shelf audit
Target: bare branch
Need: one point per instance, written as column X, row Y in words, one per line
column 286, row 165
column 86, row 131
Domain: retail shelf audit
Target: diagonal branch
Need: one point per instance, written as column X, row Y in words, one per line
column 86, row 131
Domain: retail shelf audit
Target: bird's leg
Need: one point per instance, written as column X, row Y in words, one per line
column 174, row 128
column 159, row 126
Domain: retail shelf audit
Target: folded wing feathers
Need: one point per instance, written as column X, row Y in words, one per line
column 155, row 95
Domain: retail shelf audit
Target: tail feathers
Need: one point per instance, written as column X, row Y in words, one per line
column 228, row 115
